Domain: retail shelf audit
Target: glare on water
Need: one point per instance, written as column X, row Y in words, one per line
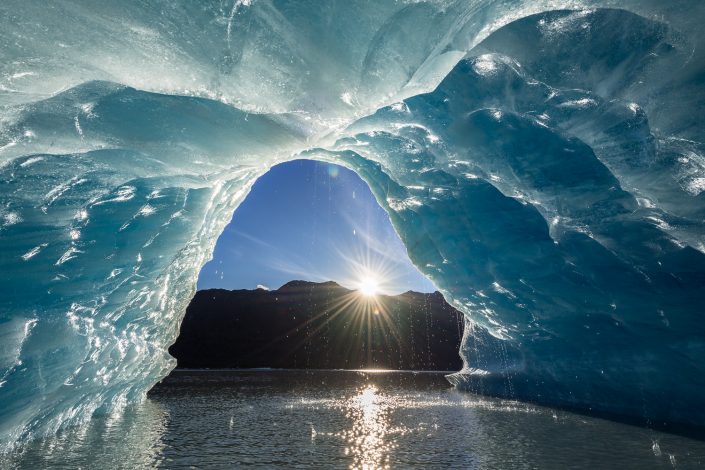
column 363, row 419
column 366, row 440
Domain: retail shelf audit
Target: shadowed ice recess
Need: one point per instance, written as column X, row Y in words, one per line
column 544, row 168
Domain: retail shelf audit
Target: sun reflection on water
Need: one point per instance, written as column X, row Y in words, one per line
column 367, row 441
column 357, row 419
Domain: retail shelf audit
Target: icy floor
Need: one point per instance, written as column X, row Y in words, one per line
column 346, row 419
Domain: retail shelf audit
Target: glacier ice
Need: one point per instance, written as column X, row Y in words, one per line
column 544, row 168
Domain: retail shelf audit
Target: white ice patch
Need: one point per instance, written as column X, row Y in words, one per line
column 31, row 161
column 695, row 186
column 485, row 65
column 10, row 218
column 581, row 103
column 34, row 251
column 347, row 98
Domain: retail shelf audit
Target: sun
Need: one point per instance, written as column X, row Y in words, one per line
column 369, row 286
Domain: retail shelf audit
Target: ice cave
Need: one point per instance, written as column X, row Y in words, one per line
column 542, row 161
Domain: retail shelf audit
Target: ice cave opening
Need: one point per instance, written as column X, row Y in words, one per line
column 544, row 169
column 310, row 274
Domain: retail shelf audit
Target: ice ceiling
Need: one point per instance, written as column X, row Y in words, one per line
column 542, row 162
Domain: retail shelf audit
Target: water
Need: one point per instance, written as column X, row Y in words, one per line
column 348, row 419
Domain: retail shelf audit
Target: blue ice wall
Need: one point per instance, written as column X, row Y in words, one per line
column 544, row 168
column 541, row 181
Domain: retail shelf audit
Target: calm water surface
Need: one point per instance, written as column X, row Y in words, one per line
column 348, row 419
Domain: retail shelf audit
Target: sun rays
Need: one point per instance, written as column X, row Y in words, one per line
column 363, row 310
column 366, row 321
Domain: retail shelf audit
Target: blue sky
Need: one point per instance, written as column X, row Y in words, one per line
column 312, row 221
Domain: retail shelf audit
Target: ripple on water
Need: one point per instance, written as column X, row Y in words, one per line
column 348, row 419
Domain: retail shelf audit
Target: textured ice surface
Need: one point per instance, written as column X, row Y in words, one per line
column 544, row 167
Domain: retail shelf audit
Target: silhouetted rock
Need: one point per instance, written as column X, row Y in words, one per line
column 318, row 326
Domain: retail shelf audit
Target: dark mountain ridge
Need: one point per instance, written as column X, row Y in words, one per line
column 309, row 325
